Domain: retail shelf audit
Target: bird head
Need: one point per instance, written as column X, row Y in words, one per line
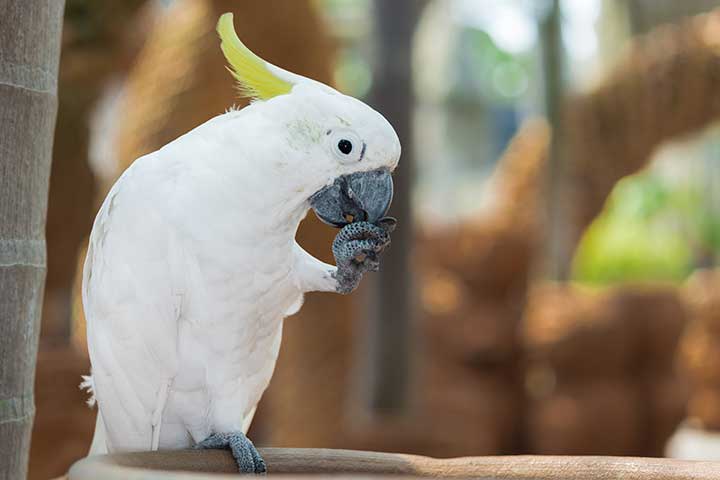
column 343, row 150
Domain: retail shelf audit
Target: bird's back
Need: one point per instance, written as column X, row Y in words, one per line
column 184, row 314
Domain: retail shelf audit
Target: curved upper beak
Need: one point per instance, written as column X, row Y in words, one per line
column 361, row 196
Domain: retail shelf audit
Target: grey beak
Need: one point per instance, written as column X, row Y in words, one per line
column 361, row 196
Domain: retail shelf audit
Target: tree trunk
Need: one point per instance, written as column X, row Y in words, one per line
column 389, row 327
column 557, row 249
column 29, row 55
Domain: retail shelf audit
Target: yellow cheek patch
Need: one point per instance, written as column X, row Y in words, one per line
column 254, row 78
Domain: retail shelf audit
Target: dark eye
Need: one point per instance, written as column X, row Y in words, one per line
column 345, row 146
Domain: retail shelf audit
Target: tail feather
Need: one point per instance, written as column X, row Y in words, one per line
column 98, row 445
column 89, row 386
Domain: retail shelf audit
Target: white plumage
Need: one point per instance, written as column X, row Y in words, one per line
column 192, row 264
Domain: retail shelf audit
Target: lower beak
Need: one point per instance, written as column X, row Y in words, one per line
column 361, row 196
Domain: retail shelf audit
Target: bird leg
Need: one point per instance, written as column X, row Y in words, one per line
column 357, row 249
column 246, row 455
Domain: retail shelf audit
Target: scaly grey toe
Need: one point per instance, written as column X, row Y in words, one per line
column 356, row 249
column 246, row 455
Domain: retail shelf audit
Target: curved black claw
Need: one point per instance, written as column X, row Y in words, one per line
column 246, row 455
column 357, row 249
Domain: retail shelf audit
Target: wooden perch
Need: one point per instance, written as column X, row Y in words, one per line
column 207, row 464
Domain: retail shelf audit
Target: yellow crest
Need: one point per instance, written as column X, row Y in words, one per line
column 254, row 78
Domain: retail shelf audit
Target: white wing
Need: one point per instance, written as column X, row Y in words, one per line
column 132, row 307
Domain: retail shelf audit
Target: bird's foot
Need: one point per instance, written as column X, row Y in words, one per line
column 357, row 249
column 246, row 455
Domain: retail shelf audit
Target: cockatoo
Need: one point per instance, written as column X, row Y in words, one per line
column 192, row 263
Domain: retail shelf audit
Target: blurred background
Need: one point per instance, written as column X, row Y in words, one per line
column 551, row 286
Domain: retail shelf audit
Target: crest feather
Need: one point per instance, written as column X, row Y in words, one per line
column 254, row 79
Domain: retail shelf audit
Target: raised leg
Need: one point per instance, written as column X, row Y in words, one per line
column 357, row 250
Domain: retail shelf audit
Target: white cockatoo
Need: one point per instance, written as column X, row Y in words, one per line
column 193, row 265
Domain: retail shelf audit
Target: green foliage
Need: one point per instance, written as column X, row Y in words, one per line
column 651, row 229
column 484, row 70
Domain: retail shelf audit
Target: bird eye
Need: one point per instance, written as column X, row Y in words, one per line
column 345, row 146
